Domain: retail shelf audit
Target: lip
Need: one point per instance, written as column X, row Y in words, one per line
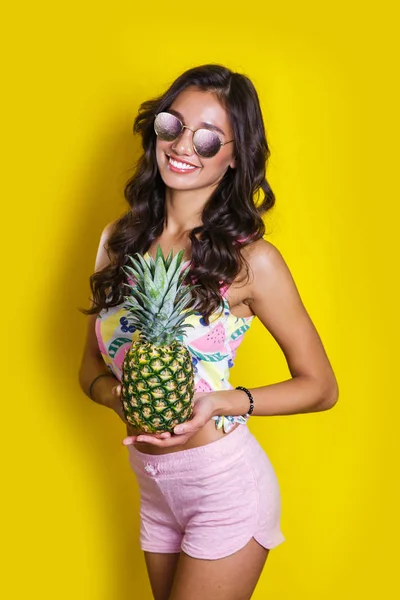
column 186, row 162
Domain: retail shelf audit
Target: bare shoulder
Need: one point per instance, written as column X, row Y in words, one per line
column 271, row 280
column 108, row 230
column 265, row 260
column 259, row 248
column 102, row 257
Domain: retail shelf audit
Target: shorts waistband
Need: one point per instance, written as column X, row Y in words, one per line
column 228, row 449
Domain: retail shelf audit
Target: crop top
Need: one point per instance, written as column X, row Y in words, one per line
column 213, row 347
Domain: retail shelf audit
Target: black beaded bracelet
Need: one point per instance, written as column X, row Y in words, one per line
column 94, row 381
column 240, row 387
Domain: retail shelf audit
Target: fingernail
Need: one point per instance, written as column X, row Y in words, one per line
column 127, row 442
column 179, row 429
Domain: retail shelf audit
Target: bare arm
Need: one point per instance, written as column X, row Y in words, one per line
column 105, row 390
column 277, row 303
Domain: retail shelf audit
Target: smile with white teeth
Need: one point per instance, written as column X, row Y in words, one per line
column 181, row 165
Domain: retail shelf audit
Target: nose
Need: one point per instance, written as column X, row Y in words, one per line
column 183, row 144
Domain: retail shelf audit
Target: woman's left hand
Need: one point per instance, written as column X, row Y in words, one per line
column 203, row 409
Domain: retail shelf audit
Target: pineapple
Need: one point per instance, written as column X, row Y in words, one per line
column 157, row 371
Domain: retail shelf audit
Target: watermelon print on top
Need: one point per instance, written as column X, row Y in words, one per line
column 213, row 347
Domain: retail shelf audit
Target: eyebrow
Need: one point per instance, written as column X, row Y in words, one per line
column 202, row 124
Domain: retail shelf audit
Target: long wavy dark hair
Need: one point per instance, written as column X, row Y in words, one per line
column 232, row 216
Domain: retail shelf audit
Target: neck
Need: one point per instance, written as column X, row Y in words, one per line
column 183, row 210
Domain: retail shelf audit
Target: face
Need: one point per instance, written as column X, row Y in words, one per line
column 179, row 165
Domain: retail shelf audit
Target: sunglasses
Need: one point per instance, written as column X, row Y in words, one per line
column 206, row 143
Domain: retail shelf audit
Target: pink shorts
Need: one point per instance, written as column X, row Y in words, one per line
column 208, row 501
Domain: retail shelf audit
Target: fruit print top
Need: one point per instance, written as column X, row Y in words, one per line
column 213, row 347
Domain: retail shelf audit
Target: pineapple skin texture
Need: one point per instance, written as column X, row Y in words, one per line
column 157, row 386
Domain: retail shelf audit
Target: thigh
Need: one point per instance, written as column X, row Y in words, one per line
column 161, row 570
column 231, row 578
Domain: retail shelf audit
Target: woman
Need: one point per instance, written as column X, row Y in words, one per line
column 210, row 503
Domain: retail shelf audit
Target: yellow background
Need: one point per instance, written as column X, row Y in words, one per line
column 74, row 75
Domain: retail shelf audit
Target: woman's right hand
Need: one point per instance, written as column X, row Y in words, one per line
column 107, row 391
column 131, row 431
column 117, row 403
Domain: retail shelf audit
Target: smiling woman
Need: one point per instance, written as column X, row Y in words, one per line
column 210, row 499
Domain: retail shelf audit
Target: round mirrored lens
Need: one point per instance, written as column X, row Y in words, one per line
column 206, row 143
column 167, row 126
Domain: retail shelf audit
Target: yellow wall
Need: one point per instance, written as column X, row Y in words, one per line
column 73, row 79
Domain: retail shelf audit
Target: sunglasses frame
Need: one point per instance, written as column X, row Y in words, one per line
column 193, row 131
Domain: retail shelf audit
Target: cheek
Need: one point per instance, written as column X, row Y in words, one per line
column 219, row 163
column 160, row 151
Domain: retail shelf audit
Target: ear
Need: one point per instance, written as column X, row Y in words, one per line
column 232, row 164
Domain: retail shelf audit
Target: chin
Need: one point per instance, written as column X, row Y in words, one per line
column 172, row 185
column 177, row 182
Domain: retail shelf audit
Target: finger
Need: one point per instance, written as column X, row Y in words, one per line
column 163, row 443
column 194, row 424
column 132, row 439
column 183, row 429
column 129, row 440
column 162, row 435
column 149, row 439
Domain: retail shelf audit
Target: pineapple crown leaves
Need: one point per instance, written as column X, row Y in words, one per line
column 159, row 295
